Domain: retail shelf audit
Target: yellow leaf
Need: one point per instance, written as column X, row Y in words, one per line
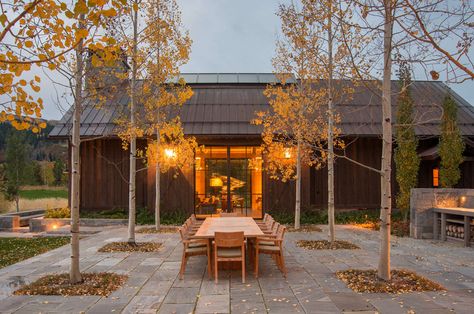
column 81, row 7
column 28, row 44
column 3, row 19
column 110, row 12
column 82, row 33
column 37, row 78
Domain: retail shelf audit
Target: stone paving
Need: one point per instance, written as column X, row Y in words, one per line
column 311, row 286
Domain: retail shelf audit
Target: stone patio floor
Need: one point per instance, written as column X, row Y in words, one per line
column 311, row 286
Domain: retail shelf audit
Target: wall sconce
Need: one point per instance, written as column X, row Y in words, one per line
column 170, row 153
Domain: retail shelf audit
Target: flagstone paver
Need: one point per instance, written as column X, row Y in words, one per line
column 311, row 286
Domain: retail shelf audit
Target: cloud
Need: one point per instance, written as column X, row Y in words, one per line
column 229, row 36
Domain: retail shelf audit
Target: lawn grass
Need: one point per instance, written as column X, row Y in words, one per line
column 14, row 250
column 38, row 194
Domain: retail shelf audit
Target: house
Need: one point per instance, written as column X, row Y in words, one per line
column 229, row 172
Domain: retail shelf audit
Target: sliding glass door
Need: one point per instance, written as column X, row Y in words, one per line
column 228, row 179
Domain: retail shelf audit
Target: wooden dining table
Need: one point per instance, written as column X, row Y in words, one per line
column 211, row 225
column 228, row 224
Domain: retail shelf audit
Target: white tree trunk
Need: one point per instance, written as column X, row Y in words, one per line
column 298, row 187
column 17, row 202
column 331, row 209
column 133, row 139
column 157, row 183
column 386, row 193
column 74, row 271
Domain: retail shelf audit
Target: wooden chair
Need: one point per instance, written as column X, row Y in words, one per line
column 272, row 246
column 193, row 248
column 189, row 227
column 271, row 227
column 229, row 247
column 195, row 221
column 264, row 220
column 267, row 239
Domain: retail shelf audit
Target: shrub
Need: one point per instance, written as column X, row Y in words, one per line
column 64, row 212
column 144, row 216
column 320, row 217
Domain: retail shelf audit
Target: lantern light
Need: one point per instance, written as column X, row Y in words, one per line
column 170, row 153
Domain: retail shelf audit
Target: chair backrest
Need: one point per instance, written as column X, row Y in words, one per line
column 185, row 229
column 229, row 239
column 270, row 222
column 265, row 217
column 281, row 233
column 182, row 233
column 275, row 227
column 188, row 223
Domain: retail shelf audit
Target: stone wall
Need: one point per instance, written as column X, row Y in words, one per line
column 422, row 201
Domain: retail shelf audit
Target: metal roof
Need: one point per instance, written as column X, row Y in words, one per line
column 230, row 78
column 228, row 109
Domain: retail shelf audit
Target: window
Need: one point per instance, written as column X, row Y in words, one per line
column 435, row 177
column 229, row 179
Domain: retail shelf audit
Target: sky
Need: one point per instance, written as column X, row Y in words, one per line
column 228, row 36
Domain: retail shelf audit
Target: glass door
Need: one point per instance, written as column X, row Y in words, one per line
column 228, row 179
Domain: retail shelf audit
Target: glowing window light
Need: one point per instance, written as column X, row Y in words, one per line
column 435, row 177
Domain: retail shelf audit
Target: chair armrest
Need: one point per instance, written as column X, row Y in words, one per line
column 276, row 241
column 188, row 241
column 267, row 237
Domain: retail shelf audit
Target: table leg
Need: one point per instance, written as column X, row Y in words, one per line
column 443, row 227
column 435, row 227
column 467, row 231
column 211, row 258
column 250, row 250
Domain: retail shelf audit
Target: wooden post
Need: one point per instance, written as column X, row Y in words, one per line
column 435, row 226
column 443, row 227
column 467, row 231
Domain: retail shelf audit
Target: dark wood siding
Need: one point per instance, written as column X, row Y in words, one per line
column 105, row 167
column 177, row 190
column 105, row 173
column 281, row 196
column 425, row 177
column 355, row 186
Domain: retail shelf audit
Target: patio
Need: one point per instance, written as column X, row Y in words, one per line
column 311, row 285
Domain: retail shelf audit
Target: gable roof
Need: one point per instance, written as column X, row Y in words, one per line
column 225, row 104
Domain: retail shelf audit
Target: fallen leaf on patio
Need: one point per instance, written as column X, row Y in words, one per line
column 326, row 245
column 402, row 281
column 128, row 247
column 101, row 284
